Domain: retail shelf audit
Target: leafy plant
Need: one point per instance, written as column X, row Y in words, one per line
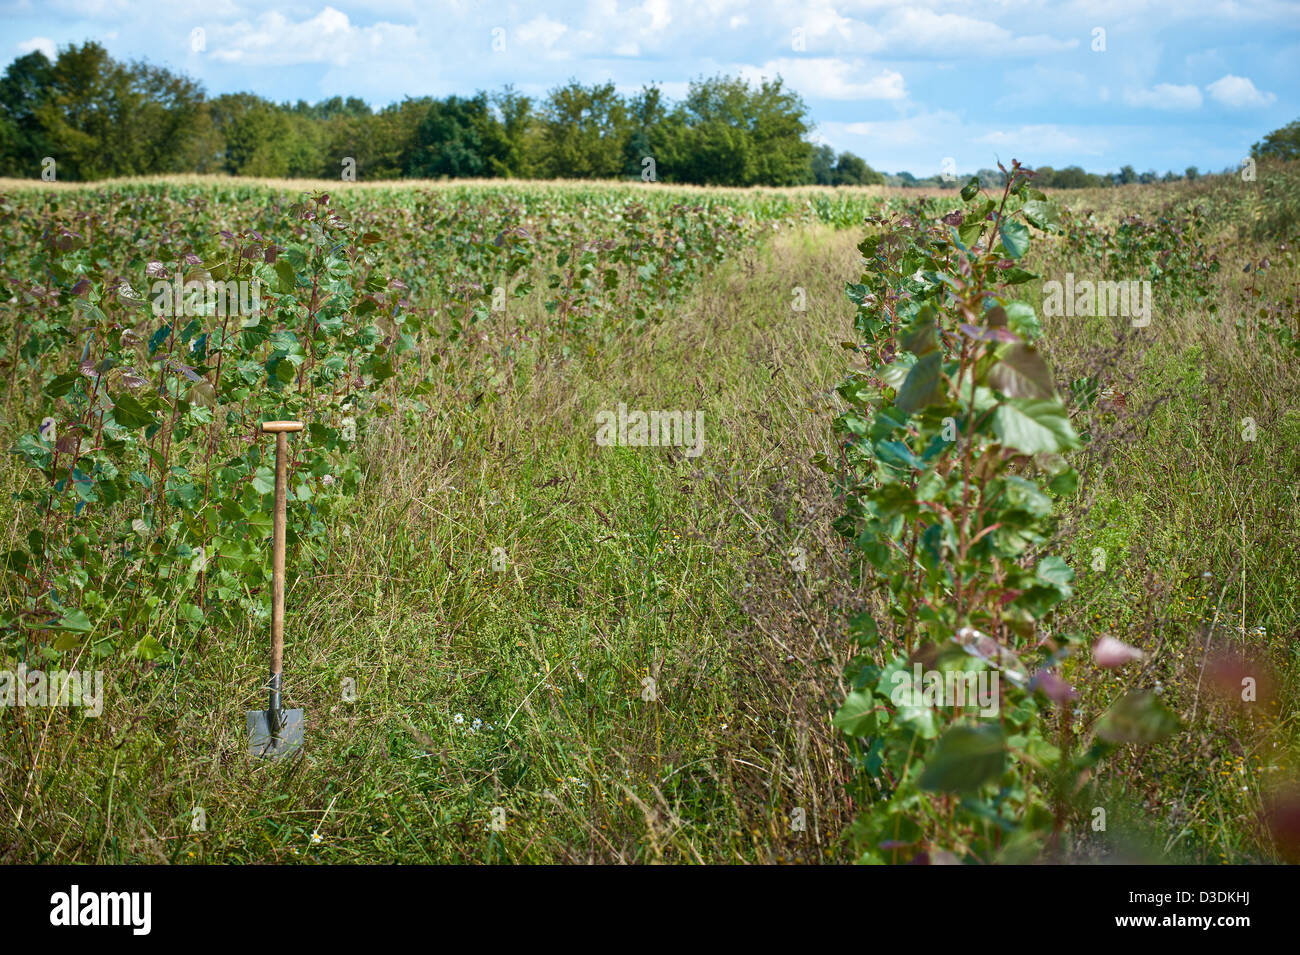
column 953, row 460
column 152, row 484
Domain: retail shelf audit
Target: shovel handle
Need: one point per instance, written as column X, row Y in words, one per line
column 276, row 427
column 280, row 429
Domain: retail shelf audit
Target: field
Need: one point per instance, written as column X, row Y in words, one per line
column 515, row 642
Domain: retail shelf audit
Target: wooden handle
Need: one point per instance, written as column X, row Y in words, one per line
column 277, row 556
column 279, row 427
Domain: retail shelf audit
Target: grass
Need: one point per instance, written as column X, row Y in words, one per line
column 461, row 713
column 1197, row 527
column 524, row 690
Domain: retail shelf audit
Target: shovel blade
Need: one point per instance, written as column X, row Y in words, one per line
column 288, row 740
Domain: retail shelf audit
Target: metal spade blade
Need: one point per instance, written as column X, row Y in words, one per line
column 283, row 740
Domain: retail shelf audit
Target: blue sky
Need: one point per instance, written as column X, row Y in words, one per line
column 906, row 85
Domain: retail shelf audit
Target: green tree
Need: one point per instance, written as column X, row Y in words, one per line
column 823, row 165
column 851, row 170
column 23, row 142
column 102, row 118
column 459, row 137
column 583, row 132
column 1282, row 143
column 733, row 135
column 81, row 106
column 164, row 111
column 1074, row 177
column 519, row 123
column 649, row 133
column 381, row 144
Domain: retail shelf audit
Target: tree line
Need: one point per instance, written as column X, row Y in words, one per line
column 99, row 118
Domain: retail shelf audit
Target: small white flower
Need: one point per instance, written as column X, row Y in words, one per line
column 316, row 838
column 327, row 480
column 458, row 718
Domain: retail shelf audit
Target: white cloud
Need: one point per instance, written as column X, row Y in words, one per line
column 1164, row 96
column 831, row 78
column 327, row 38
column 950, row 34
column 1238, row 92
column 541, row 31
column 42, row 43
column 659, row 14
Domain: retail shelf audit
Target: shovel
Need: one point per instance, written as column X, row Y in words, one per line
column 276, row 732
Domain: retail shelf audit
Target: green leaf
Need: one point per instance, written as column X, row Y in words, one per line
column 1138, row 717
column 61, row 385
column 1017, row 276
column 858, row 717
column 895, row 373
column 913, row 712
column 898, row 454
column 15, row 561
column 965, row 758
column 971, row 189
column 148, row 649
column 1041, row 213
column 67, row 641
column 1065, row 484
column 1034, row 426
column 1015, row 237
column 284, row 272
column 920, row 338
column 264, row 480
column 129, row 413
column 924, row 384
column 1053, row 570
column 75, row 621
column 1022, row 320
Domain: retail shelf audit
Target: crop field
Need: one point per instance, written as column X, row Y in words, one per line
column 632, row 522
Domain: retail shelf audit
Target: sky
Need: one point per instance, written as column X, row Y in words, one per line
column 923, row 85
